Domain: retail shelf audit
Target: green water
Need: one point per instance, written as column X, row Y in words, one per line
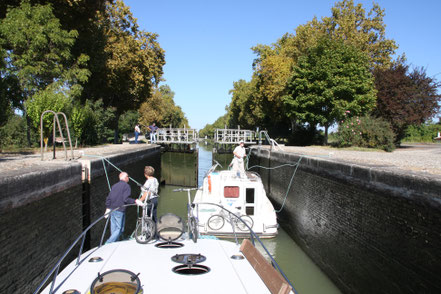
column 306, row 277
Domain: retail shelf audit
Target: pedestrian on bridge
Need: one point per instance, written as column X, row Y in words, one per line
column 137, row 132
column 153, row 129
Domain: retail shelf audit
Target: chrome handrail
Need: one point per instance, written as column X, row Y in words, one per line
column 54, row 271
column 253, row 236
column 82, row 237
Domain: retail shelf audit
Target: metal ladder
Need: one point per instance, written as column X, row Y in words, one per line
column 272, row 142
column 56, row 122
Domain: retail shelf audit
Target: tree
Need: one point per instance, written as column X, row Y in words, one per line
column 405, row 98
column 44, row 100
column 161, row 109
column 38, row 55
column 331, row 80
column 208, row 129
column 9, row 91
column 244, row 109
column 348, row 23
column 134, row 60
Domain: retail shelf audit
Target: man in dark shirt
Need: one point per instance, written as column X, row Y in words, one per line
column 119, row 195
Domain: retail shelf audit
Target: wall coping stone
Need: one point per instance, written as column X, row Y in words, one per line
column 22, row 186
column 382, row 179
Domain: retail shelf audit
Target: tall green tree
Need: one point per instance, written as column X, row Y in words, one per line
column 38, row 54
column 9, row 90
column 348, row 23
column 134, row 60
column 219, row 123
column 405, row 97
column 243, row 109
column 162, row 110
column 331, row 80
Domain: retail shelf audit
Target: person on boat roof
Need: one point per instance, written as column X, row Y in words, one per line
column 238, row 162
column 119, row 196
column 150, row 189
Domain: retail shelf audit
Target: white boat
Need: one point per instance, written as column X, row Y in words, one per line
column 244, row 196
column 178, row 265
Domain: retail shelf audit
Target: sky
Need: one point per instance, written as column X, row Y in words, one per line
column 208, row 43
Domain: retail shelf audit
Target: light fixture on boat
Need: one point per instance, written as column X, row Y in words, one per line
column 95, row 259
column 116, row 281
column 71, row 291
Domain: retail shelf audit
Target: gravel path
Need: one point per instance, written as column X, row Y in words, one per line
column 419, row 158
column 424, row 158
column 21, row 161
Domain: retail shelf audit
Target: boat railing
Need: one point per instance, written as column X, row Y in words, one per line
column 253, row 236
column 82, row 237
column 213, row 168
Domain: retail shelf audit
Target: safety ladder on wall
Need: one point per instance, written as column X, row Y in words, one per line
column 264, row 135
column 56, row 139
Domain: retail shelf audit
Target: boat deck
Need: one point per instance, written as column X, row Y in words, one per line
column 154, row 265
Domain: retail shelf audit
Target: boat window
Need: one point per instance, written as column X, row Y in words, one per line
column 231, row 192
column 250, row 195
column 249, row 210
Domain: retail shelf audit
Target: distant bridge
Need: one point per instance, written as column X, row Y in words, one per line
column 179, row 139
column 224, row 139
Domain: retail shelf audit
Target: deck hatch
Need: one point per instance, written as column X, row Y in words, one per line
column 188, row 258
column 116, row 281
column 169, row 245
column 186, row 269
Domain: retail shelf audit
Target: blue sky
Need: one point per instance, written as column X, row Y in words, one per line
column 208, row 43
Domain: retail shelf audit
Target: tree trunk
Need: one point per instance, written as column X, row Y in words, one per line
column 325, row 141
column 116, row 134
column 28, row 129
column 293, row 125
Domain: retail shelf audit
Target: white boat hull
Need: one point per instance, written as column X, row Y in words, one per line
column 244, row 197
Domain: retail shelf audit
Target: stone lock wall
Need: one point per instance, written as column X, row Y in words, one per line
column 369, row 230
column 44, row 209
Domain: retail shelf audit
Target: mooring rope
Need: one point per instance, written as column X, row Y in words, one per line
column 103, row 159
column 282, row 165
column 279, row 166
column 105, row 170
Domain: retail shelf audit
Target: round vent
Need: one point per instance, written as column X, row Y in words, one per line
column 187, row 269
column 169, row 245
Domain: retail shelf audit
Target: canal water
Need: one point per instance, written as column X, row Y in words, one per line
column 306, row 277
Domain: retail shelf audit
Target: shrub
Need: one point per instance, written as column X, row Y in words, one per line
column 422, row 133
column 13, row 133
column 366, row 132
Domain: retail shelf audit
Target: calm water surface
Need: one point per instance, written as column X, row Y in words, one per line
column 306, row 277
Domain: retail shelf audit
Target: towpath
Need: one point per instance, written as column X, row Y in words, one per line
column 416, row 158
column 15, row 163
